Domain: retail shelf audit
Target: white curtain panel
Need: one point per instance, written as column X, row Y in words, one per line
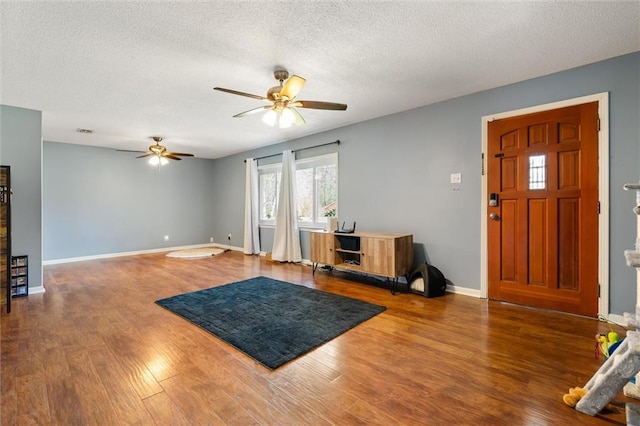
column 251, row 217
column 286, row 239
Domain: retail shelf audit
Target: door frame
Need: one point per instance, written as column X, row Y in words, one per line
column 603, row 189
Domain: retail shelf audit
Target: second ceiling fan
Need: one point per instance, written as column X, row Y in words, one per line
column 282, row 111
column 159, row 153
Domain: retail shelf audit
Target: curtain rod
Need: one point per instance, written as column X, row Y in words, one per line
column 337, row 142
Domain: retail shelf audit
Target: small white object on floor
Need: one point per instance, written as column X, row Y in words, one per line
column 196, row 253
column 418, row 284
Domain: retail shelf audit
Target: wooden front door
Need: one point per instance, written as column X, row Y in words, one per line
column 542, row 173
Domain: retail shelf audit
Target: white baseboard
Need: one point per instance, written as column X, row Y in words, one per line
column 133, row 253
column 464, row 290
column 617, row 319
column 36, row 290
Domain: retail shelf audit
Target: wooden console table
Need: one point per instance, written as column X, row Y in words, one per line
column 386, row 255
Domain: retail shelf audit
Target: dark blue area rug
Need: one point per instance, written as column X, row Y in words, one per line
column 271, row 321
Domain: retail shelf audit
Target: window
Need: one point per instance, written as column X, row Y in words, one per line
column 317, row 190
column 537, row 172
column 269, row 188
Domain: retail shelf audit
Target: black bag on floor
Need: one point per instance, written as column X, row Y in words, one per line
column 428, row 281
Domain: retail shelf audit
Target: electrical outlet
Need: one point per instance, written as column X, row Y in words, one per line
column 166, row 238
column 229, row 237
column 456, row 177
column 211, row 239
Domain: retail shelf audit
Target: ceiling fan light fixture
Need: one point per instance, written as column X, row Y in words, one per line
column 283, row 118
column 158, row 160
column 270, row 118
column 286, row 118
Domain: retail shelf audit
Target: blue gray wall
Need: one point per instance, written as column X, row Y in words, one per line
column 394, row 171
column 21, row 142
column 101, row 201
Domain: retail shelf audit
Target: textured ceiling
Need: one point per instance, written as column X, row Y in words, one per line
column 129, row 70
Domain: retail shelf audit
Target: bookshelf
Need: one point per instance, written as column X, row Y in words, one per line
column 19, row 276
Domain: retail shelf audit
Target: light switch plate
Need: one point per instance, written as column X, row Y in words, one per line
column 456, row 177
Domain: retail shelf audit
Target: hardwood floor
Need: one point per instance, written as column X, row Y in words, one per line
column 96, row 350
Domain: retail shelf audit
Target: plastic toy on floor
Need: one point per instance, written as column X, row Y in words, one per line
column 574, row 395
column 607, row 343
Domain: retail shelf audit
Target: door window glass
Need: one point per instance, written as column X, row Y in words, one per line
column 537, row 172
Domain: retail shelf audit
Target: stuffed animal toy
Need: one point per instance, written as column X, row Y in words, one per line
column 574, row 395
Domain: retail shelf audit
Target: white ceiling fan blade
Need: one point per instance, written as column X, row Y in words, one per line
column 299, row 121
column 252, row 111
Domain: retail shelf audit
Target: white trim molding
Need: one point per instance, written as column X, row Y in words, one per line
column 617, row 319
column 463, row 290
column 36, row 290
column 603, row 185
column 134, row 253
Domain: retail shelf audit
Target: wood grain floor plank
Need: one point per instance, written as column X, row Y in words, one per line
column 370, row 414
column 93, row 396
column 126, row 350
column 236, row 385
column 204, row 403
column 278, row 405
column 32, row 390
column 322, row 396
column 62, row 398
column 164, row 412
column 127, row 407
column 8, row 396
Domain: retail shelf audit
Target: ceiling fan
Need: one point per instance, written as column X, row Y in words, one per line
column 283, row 103
column 159, row 153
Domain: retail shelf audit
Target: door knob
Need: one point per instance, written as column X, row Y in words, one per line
column 494, row 216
